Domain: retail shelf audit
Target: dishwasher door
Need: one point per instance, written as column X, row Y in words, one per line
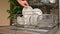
column 36, row 31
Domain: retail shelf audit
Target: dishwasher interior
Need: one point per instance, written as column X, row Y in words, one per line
column 44, row 23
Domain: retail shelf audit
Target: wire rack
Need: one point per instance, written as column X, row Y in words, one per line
column 45, row 21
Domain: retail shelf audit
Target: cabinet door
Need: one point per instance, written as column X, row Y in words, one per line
column 4, row 5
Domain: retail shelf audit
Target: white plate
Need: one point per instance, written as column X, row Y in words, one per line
column 27, row 12
column 38, row 12
column 34, row 17
column 33, row 20
column 30, row 15
column 20, row 20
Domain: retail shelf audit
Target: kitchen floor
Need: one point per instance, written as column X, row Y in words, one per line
column 58, row 30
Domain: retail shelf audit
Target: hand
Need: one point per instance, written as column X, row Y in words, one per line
column 23, row 3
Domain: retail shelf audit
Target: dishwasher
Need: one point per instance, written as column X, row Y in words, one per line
column 44, row 24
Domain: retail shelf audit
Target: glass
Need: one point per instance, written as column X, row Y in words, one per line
column 33, row 19
column 52, row 1
column 18, row 20
column 47, row 20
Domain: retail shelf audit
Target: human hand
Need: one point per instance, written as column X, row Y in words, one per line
column 23, row 3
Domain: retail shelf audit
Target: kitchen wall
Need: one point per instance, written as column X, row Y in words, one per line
column 59, row 11
column 4, row 5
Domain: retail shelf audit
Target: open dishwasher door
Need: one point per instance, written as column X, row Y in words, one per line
column 47, row 25
column 36, row 31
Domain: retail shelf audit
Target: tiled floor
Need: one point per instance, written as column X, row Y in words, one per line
column 58, row 31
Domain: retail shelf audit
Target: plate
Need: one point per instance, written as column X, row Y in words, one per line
column 38, row 12
column 34, row 17
column 20, row 20
column 27, row 12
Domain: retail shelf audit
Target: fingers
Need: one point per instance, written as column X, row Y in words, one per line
column 23, row 3
column 27, row 3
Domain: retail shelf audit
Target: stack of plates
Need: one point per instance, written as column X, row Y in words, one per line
column 27, row 12
column 34, row 17
column 31, row 15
